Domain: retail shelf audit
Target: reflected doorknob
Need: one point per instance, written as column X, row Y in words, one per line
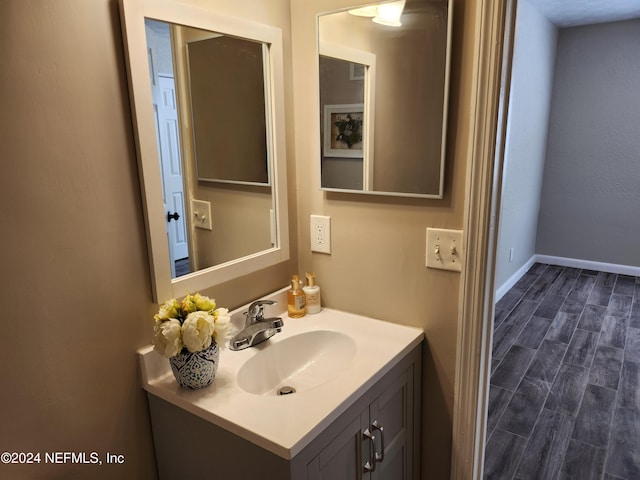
column 175, row 216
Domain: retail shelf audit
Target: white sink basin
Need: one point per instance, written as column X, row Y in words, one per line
column 299, row 362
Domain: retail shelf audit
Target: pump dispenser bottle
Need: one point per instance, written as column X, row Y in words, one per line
column 296, row 305
column 312, row 294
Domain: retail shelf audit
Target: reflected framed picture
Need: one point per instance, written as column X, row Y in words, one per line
column 343, row 130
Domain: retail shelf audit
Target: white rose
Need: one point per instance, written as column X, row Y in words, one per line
column 167, row 338
column 197, row 331
column 222, row 326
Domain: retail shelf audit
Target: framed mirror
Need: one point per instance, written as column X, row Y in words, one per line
column 207, row 98
column 383, row 102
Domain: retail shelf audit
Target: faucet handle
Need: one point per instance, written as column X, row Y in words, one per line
column 255, row 309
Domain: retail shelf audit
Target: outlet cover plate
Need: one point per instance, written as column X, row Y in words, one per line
column 444, row 249
column 320, row 232
column 201, row 212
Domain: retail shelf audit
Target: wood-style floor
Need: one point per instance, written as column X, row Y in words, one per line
column 182, row 267
column 564, row 399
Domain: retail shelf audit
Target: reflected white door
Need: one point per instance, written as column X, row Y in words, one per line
column 171, row 167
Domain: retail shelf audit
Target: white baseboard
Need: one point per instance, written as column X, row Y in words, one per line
column 589, row 265
column 565, row 262
column 506, row 286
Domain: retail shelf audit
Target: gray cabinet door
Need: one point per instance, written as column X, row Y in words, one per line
column 391, row 422
column 342, row 458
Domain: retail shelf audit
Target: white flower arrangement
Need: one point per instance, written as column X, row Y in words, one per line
column 191, row 324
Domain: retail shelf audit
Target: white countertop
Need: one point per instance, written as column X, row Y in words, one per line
column 284, row 425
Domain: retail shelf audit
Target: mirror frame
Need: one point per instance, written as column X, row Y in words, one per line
column 133, row 13
column 326, row 48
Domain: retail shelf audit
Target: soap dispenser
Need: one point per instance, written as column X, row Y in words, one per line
column 312, row 294
column 296, row 305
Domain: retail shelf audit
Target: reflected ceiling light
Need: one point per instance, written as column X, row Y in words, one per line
column 370, row 11
column 389, row 14
column 384, row 14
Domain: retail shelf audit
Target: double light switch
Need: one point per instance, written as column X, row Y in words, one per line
column 444, row 249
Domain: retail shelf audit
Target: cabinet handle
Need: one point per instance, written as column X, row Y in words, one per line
column 379, row 457
column 370, row 466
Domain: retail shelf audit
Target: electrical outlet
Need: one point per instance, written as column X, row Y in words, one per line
column 320, row 234
column 444, row 249
column 201, row 212
column 511, row 255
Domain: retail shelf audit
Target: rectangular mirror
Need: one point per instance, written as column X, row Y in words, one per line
column 389, row 63
column 208, row 104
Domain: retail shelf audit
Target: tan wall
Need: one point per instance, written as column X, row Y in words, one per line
column 229, row 115
column 407, row 152
column 75, row 278
column 378, row 244
column 241, row 222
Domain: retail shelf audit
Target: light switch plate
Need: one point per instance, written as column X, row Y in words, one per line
column 201, row 212
column 444, row 249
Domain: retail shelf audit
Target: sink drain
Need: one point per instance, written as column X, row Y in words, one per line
column 287, row 390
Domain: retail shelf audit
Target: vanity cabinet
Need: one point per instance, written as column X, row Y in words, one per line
column 378, row 442
column 189, row 447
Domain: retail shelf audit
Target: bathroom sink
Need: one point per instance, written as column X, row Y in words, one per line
column 330, row 359
column 297, row 363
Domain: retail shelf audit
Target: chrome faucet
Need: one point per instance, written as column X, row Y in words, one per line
column 256, row 329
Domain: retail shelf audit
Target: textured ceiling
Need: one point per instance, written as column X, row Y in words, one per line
column 570, row 13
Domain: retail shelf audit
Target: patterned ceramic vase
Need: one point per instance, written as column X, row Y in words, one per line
column 196, row 370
